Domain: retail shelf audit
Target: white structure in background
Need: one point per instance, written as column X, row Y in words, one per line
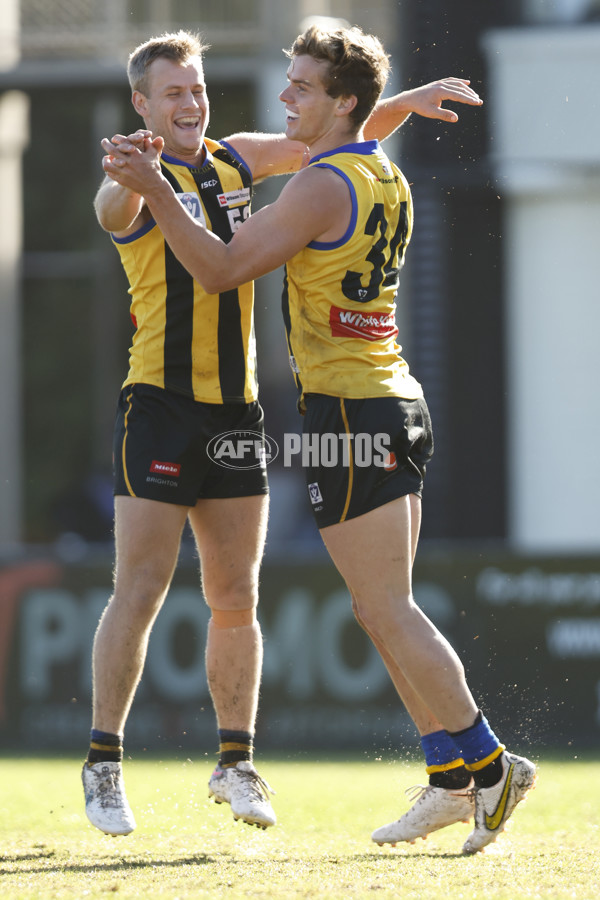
column 545, row 132
column 564, row 11
column 13, row 138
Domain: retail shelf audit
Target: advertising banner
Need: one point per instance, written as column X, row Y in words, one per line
column 527, row 630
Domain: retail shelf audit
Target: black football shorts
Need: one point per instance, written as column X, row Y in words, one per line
column 174, row 449
column 360, row 454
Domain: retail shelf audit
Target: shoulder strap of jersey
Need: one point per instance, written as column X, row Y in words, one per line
column 171, row 179
column 224, row 155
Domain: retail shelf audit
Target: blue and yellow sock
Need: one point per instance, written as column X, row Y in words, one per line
column 104, row 747
column 481, row 751
column 445, row 767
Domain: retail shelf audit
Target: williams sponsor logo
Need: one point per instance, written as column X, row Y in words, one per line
column 369, row 327
column 234, row 198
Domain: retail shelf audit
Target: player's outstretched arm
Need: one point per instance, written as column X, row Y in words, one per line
column 389, row 114
column 274, row 154
column 269, row 154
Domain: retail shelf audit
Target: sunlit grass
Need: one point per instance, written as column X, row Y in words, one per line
column 186, row 847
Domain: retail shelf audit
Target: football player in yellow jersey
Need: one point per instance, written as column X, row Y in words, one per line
column 174, row 403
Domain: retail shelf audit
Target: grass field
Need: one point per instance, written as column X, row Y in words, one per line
column 186, row 847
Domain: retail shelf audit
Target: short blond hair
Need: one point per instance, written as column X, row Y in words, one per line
column 358, row 64
column 179, row 46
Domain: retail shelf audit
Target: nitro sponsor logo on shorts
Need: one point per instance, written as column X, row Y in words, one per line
column 368, row 326
column 234, row 198
column 242, row 450
column 330, row 450
column 166, row 468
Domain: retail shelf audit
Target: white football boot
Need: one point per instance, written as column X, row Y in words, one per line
column 495, row 804
column 433, row 808
column 248, row 794
column 106, row 805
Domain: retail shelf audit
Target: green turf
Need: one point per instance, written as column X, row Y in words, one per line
column 185, row 847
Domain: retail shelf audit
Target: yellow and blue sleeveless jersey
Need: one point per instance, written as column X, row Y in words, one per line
column 197, row 344
column 339, row 299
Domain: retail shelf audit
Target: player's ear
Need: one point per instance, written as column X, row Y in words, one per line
column 345, row 105
column 140, row 103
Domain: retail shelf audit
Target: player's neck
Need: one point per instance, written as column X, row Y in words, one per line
column 332, row 141
column 193, row 157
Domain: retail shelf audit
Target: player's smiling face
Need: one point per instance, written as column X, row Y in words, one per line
column 309, row 110
column 176, row 106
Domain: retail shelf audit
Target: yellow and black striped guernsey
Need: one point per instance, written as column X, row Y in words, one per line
column 197, row 344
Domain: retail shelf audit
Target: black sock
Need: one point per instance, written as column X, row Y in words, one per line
column 235, row 746
column 451, row 779
column 490, row 774
column 104, row 747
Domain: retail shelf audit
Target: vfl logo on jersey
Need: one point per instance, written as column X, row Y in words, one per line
column 371, row 327
column 165, row 468
column 234, row 198
column 314, row 493
column 391, row 178
column 191, row 201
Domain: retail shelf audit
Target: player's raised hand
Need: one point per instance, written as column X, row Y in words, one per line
column 427, row 99
column 138, row 140
column 135, row 165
